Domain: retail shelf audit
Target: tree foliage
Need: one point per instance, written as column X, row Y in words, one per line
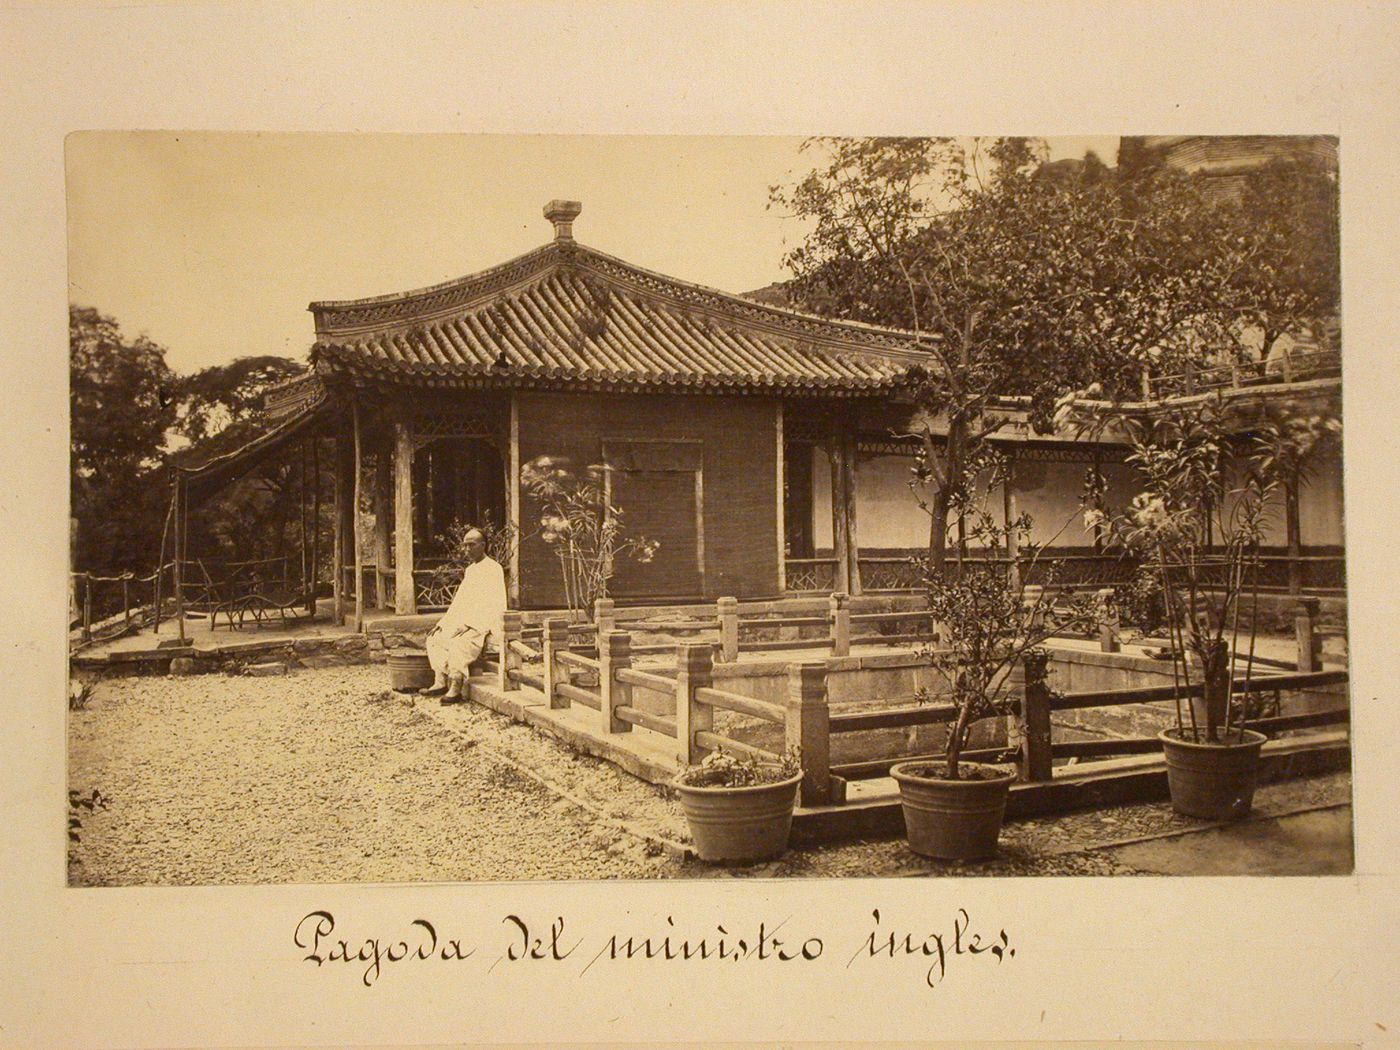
column 225, row 399
column 122, row 399
column 1025, row 280
column 260, row 515
column 128, row 412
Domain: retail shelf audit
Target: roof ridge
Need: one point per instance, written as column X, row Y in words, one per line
column 347, row 319
column 752, row 306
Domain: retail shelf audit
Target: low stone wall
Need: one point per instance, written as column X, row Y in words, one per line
column 255, row 657
column 1083, row 671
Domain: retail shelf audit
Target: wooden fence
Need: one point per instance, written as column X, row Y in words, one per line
column 730, row 633
column 106, row 605
column 808, row 723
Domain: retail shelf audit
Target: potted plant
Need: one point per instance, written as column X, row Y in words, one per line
column 739, row 808
column 990, row 626
column 583, row 526
column 1198, row 524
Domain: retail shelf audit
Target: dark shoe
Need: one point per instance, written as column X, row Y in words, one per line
column 430, row 691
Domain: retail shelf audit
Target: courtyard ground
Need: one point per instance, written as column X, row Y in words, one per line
column 326, row 776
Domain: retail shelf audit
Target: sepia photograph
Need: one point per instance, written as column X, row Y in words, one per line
column 456, row 508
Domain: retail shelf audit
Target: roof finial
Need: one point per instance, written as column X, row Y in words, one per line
column 563, row 214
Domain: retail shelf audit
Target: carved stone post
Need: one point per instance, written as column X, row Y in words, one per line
column 694, row 670
column 728, row 611
column 604, row 618
column 839, row 613
column 614, row 653
column 1030, row 600
column 510, row 632
column 1109, row 624
column 808, row 727
column 1035, row 761
column 556, row 638
column 1305, row 629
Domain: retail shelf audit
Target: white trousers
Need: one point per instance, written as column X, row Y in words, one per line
column 451, row 655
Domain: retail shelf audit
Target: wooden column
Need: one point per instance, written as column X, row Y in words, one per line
column 344, row 519
column 383, row 500
column 315, row 525
column 848, row 487
column 843, row 507
column 405, row 596
column 780, row 498
column 355, row 527
column 1010, row 513
column 513, row 500
column 181, row 528
column 1293, row 527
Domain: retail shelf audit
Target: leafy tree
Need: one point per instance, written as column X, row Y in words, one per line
column 220, row 410
column 1289, row 211
column 1021, row 280
column 121, row 403
column 227, row 399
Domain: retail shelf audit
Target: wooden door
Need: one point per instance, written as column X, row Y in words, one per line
column 656, row 485
column 660, row 506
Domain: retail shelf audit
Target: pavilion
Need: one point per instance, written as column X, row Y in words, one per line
column 748, row 440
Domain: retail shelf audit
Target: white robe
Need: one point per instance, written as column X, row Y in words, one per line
column 475, row 615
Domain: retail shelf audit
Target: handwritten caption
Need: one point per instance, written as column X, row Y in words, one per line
column 930, row 950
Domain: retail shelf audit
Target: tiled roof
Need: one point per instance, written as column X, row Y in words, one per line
column 571, row 316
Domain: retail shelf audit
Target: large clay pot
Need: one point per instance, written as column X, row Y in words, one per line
column 409, row 670
column 1212, row 781
column 740, row 823
column 952, row 819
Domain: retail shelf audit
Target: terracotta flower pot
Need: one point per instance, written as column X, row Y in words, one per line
column 409, row 670
column 952, row 819
column 740, row 823
column 1212, row 781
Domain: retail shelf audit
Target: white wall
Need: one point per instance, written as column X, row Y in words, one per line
column 1321, row 519
column 888, row 516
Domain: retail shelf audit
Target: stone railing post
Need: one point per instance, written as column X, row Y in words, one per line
column 727, row 610
column 840, row 616
column 604, row 618
column 1031, row 597
column 510, row 632
column 1035, row 760
column 1109, row 624
column 614, row 653
column 556, row 639
column 1305, row 628
column 808, row 727
column 694, row 670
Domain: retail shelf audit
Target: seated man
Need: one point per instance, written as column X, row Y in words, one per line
column 475, row 613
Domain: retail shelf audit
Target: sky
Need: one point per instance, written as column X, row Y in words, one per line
column 213, row 244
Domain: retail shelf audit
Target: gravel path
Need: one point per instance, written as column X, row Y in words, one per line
column 325, row 776
column 321, row 776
